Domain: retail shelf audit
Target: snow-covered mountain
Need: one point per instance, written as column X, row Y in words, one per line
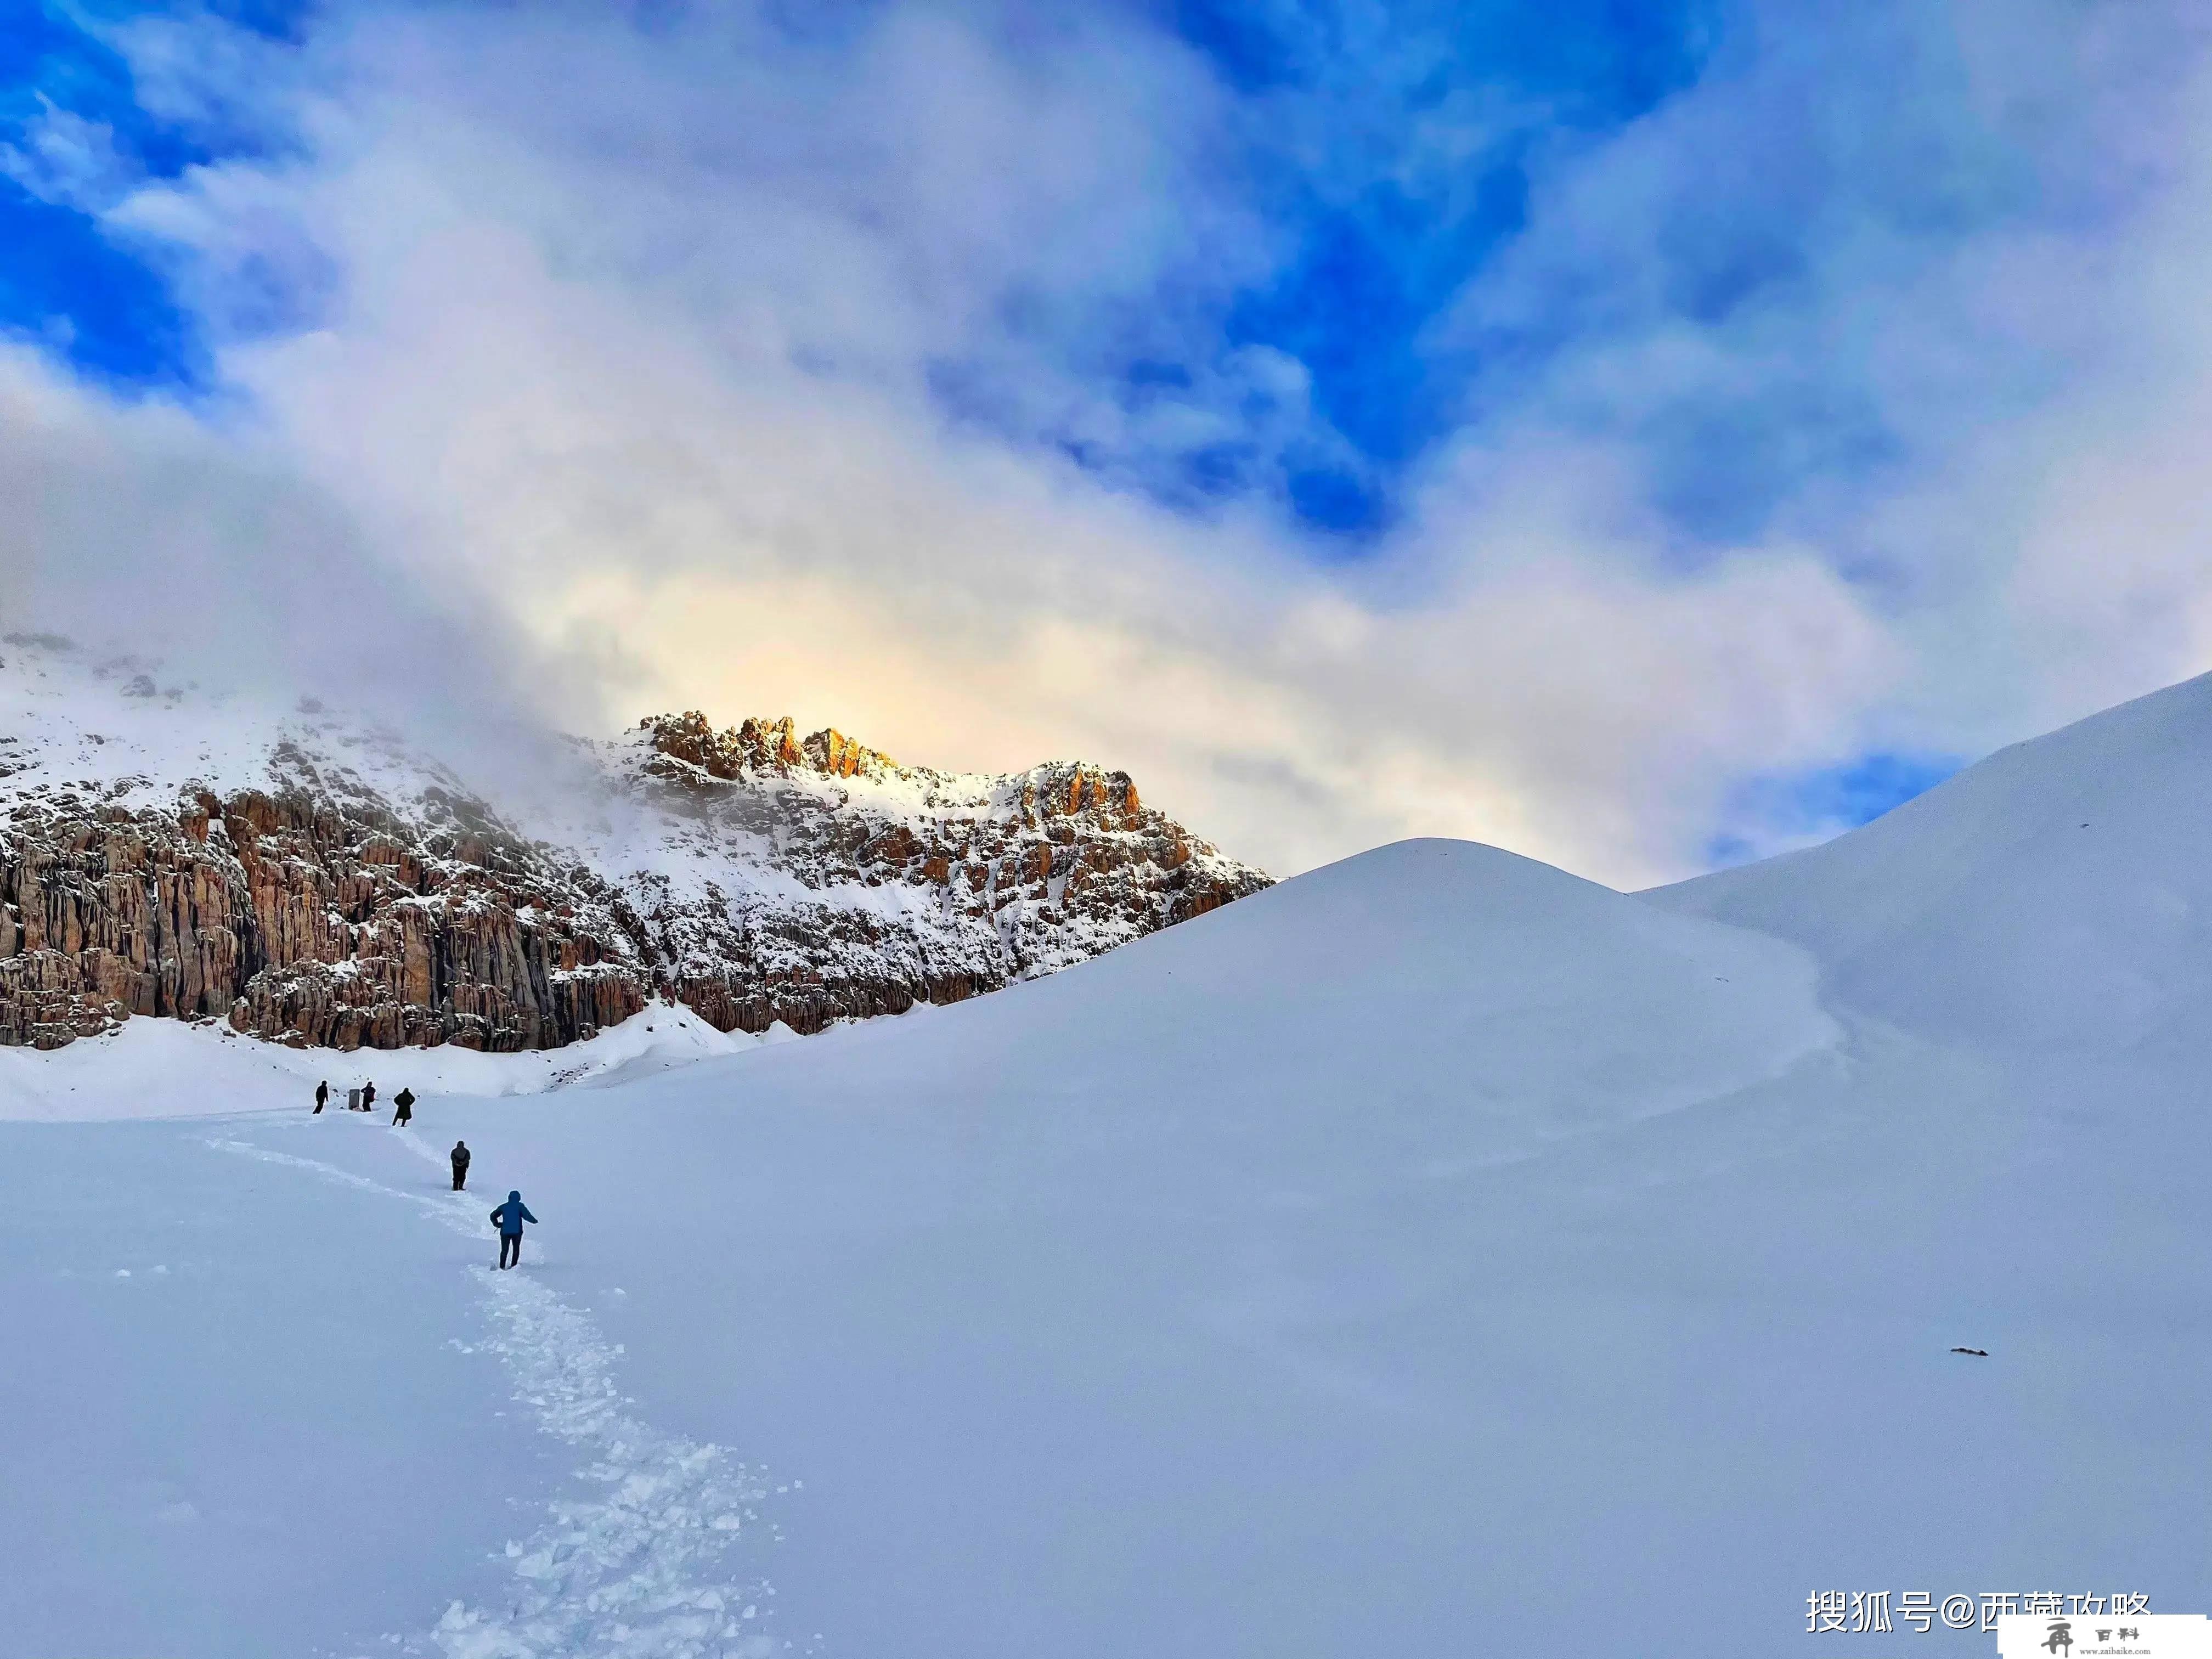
column 800, row 880
column 1434, row 1253
column 174, row 851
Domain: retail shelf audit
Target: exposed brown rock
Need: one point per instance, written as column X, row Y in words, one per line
column 1057, row 864
column 306, row 908
column 288, row 917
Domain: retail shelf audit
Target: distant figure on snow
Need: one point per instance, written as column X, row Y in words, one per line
column 368, row 1096
column 510, row 1216
column 403, row 1108
column 322, row 1094
column 461, row 1164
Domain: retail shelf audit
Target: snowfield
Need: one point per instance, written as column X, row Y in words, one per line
column 158, row 1068
column 1434, row 1254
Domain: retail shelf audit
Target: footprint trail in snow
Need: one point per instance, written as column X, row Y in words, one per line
column 628, row 1571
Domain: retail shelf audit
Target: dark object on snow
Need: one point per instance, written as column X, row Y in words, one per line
column 368, row 1096
column 510, row 1217
column 1979, row 1353
column 403, row 1108
column 461, row 1164
column 353, row 1100
column 322, row 1094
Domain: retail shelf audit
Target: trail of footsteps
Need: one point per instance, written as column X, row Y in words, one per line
column 628, row 1573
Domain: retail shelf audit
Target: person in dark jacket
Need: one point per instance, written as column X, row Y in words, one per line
column 368, row 1096
column 510, row 1217
column 461, row 1164
column 322, row 1094
column 403, row 1108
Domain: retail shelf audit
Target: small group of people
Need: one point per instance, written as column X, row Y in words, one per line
column 363, row 1099
column 508, row 1217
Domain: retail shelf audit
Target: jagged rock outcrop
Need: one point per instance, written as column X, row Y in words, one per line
column 348, row 893
column 914, row 884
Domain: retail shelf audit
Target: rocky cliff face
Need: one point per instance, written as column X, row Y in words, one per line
column 313, row 882
column 311, row 907
column 808, row 880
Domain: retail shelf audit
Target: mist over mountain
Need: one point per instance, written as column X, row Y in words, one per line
column 315, row 878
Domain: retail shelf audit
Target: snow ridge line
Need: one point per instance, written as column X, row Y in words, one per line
column 626, row 1573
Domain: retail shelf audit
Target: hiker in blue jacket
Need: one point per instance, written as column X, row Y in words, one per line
column 510, row 1217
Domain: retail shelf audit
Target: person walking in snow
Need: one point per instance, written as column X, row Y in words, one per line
column 403, row 1108
column 368, row 1096
column 461, row 1164
column 510, row 1217
column 322, row 1094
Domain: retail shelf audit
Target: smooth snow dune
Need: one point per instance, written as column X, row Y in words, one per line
column 1466, row 991
column 2058, row 893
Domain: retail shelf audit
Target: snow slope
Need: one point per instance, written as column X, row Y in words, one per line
column 1434, row 1254
column 2057, row 894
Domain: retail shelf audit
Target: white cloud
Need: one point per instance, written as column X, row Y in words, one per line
column 637, row 379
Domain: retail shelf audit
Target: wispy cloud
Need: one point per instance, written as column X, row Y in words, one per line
column 66, row 160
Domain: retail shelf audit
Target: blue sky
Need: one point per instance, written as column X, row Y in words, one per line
column 63, row 279
column 1694, row 316
column 1829, row 799
column 1375, row 245
column 1377, row 254
column 106, row 307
